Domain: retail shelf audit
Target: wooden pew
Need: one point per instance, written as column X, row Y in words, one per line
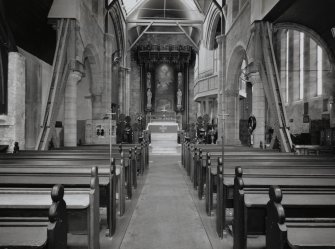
column 36, row 232
column 286, row 231
column 260, row 158
column 290, row 165
column 261, row 161
column 130, row 159
column 86, row 183
column 311, row 149
column 302, row 197
column 226, row 187
column 231, row 158
column 126, row 170
column 63, row 156
column 110, row 178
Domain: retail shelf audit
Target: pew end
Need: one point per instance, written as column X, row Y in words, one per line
column 284, row 233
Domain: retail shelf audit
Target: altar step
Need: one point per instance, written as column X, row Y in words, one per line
column 165, row 151
column 164, row 144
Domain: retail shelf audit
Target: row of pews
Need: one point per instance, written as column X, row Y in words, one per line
column 289, row 199
column 47, row 195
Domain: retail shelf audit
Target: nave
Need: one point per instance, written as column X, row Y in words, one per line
column 166, row 215
column 186, row 199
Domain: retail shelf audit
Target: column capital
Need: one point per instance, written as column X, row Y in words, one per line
column 254, row 78
column 220, row 38
column 76, row 66
column 75, row 77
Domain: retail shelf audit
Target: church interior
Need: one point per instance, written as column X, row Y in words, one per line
column 180, row 124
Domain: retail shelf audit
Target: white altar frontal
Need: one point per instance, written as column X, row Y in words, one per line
column 163, row 127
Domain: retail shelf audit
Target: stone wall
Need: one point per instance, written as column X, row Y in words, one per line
column 90, row 46
column 12, row 126
column 38, row 75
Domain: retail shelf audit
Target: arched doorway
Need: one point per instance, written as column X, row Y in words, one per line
column 245, row 104
column 238, row 98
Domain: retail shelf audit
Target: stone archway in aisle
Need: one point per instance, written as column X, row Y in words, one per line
column 233, row 98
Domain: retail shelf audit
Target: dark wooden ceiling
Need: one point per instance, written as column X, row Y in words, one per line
column 28, row 22
column 316, row 15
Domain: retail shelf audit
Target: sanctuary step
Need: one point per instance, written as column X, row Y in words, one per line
column 164, row 144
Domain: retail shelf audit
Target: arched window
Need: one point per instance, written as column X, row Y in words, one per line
column 303, row 66
column 319, row 71
column 243, row 80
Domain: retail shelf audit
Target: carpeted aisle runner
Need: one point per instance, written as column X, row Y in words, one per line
column 165, row 216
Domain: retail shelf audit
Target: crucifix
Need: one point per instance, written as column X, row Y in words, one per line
column 164, row 111
column 163, row 128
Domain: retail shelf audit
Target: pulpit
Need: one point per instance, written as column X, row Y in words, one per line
column 99, row 131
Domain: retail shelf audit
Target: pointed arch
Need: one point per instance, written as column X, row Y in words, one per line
column 215, row 23
column 314, row 35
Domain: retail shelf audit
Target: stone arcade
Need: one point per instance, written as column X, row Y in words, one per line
column 167, row 124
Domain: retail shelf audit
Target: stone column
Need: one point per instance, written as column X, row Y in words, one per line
column 141, row 89
column 221, row 110
column 331, row 111
column 187, row 98
column 258, row 108
column 70, row 113
column 231, row 119
column 207, row 110
column 97, row 106
column 198, row 108
column 127, row 90
column 121, row 89
column 203, row 108
column 108, row 41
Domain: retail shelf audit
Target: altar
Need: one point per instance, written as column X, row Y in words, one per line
column 163, row 127
column 164, row 82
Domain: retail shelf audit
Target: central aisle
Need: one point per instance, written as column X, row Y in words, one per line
column 165, row 216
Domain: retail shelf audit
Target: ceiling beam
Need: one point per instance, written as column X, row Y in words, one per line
column 139, row 37
column 188, row 36
column 165, row 33
column 165, row 25
column 159, row 22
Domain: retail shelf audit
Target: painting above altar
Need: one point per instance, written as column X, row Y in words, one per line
column 165, row 105
column 164, row 99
